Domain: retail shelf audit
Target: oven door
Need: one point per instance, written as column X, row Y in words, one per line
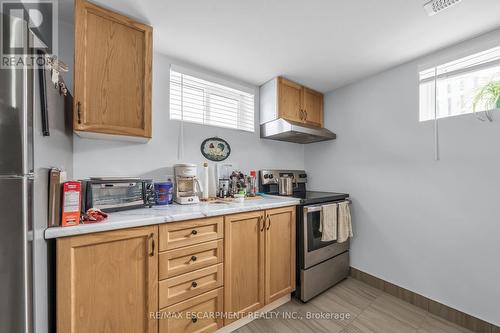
column 316, row 251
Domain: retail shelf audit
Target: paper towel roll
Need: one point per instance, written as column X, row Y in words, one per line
column 206, row 185
column 212, row 181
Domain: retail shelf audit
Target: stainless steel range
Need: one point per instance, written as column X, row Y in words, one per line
column 320, row 265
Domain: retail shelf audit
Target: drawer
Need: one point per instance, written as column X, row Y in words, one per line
column 186, row 320
column 190, row 258
column 182, row 287
column 179, row 234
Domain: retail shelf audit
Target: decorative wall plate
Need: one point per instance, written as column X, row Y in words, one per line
column 215, row 149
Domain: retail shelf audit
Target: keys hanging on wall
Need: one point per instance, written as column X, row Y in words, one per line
column 57, row 67
column 63, row 90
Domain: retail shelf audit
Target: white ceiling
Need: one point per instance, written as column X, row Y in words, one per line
column 324, row 44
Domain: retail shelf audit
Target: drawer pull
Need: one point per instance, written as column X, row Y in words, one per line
column 194, row 232
column 194, row 319
column 194, row 284
column 193, row 258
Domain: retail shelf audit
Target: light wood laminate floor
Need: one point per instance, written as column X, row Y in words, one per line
column 370, row 311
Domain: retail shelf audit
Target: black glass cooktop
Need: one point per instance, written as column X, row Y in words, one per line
column 315, row 197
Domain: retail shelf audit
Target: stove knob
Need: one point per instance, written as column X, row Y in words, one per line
column 271, row 176
column 266, row 176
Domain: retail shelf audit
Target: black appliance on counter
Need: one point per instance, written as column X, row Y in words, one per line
column 117, row 194
column 320, row 265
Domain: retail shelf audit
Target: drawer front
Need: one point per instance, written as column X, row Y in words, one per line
column 190, row 258
column 179, row 234
column 191, row 284
column 194, row 315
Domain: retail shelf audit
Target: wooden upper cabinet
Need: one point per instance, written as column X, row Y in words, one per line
column 113, row 61
column 289, row 100
column 280, row 253
column 312, row 107
column 108, row 281
column 282, row 98
column 244, row 263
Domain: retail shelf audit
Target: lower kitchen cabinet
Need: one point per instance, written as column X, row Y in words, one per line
column 116, row 281
column 259, row 259
column 244, row 261
column 280, row 253
column 108, row 281
column 191, row 275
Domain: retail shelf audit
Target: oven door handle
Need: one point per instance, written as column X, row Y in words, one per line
column 311, row 209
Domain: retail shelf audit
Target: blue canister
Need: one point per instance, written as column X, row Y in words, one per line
column 164, row 193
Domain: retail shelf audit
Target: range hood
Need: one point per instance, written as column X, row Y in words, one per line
column 290, row 131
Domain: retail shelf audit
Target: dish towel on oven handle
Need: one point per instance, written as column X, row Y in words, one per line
column 345, row 223
column 328, row 223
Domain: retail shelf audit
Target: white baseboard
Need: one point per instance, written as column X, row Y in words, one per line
column 243, row 321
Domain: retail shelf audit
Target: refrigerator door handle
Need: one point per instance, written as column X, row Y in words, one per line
column 43, row 98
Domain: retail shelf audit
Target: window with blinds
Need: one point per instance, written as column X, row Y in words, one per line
column 194, row 99
column 461, row 86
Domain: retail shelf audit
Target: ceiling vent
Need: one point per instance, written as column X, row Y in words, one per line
column 435, row 6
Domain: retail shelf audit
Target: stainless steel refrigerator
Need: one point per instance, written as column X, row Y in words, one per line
column 25, row 158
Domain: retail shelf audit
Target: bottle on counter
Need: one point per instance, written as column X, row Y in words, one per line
column 205, row 182
column 252, row 183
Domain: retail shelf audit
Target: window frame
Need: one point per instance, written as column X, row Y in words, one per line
column 238, row 96
column 437, row 71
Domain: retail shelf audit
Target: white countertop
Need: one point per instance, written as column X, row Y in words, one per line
column 170, row 213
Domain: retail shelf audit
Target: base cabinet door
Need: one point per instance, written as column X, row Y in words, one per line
column 279, row 253
column 108, row 281
column 244, row 263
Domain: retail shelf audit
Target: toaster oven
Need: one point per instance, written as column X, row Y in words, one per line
column 116, row 194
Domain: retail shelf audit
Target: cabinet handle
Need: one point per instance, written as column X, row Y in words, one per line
column 151, row 240
column 263, row 221
column 305, row 114
column 301, row 114
column 194, row 319
column 269, row 219
column 194, row 232
column 78, row 113
column 193, row 258
column 194, row 284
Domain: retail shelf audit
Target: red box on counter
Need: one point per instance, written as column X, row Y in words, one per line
column 71, row 201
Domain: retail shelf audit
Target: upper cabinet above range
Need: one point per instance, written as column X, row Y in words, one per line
column 113, row 63
column 291, row 112
column 288, row 100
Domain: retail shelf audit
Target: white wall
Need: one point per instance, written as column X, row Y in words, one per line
column 155, row 159
column 431, row 227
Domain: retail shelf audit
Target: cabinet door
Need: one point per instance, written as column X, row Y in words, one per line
column 108, row 282
column 313, row 107
column 289, row 100
column 280, row 253
column 243, row 263
column 113, row 59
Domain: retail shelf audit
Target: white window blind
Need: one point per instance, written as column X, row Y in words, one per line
column 195, row 99
column 452, row 88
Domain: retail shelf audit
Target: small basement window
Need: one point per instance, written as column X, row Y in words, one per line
column 461, row 86
column 202, row 100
